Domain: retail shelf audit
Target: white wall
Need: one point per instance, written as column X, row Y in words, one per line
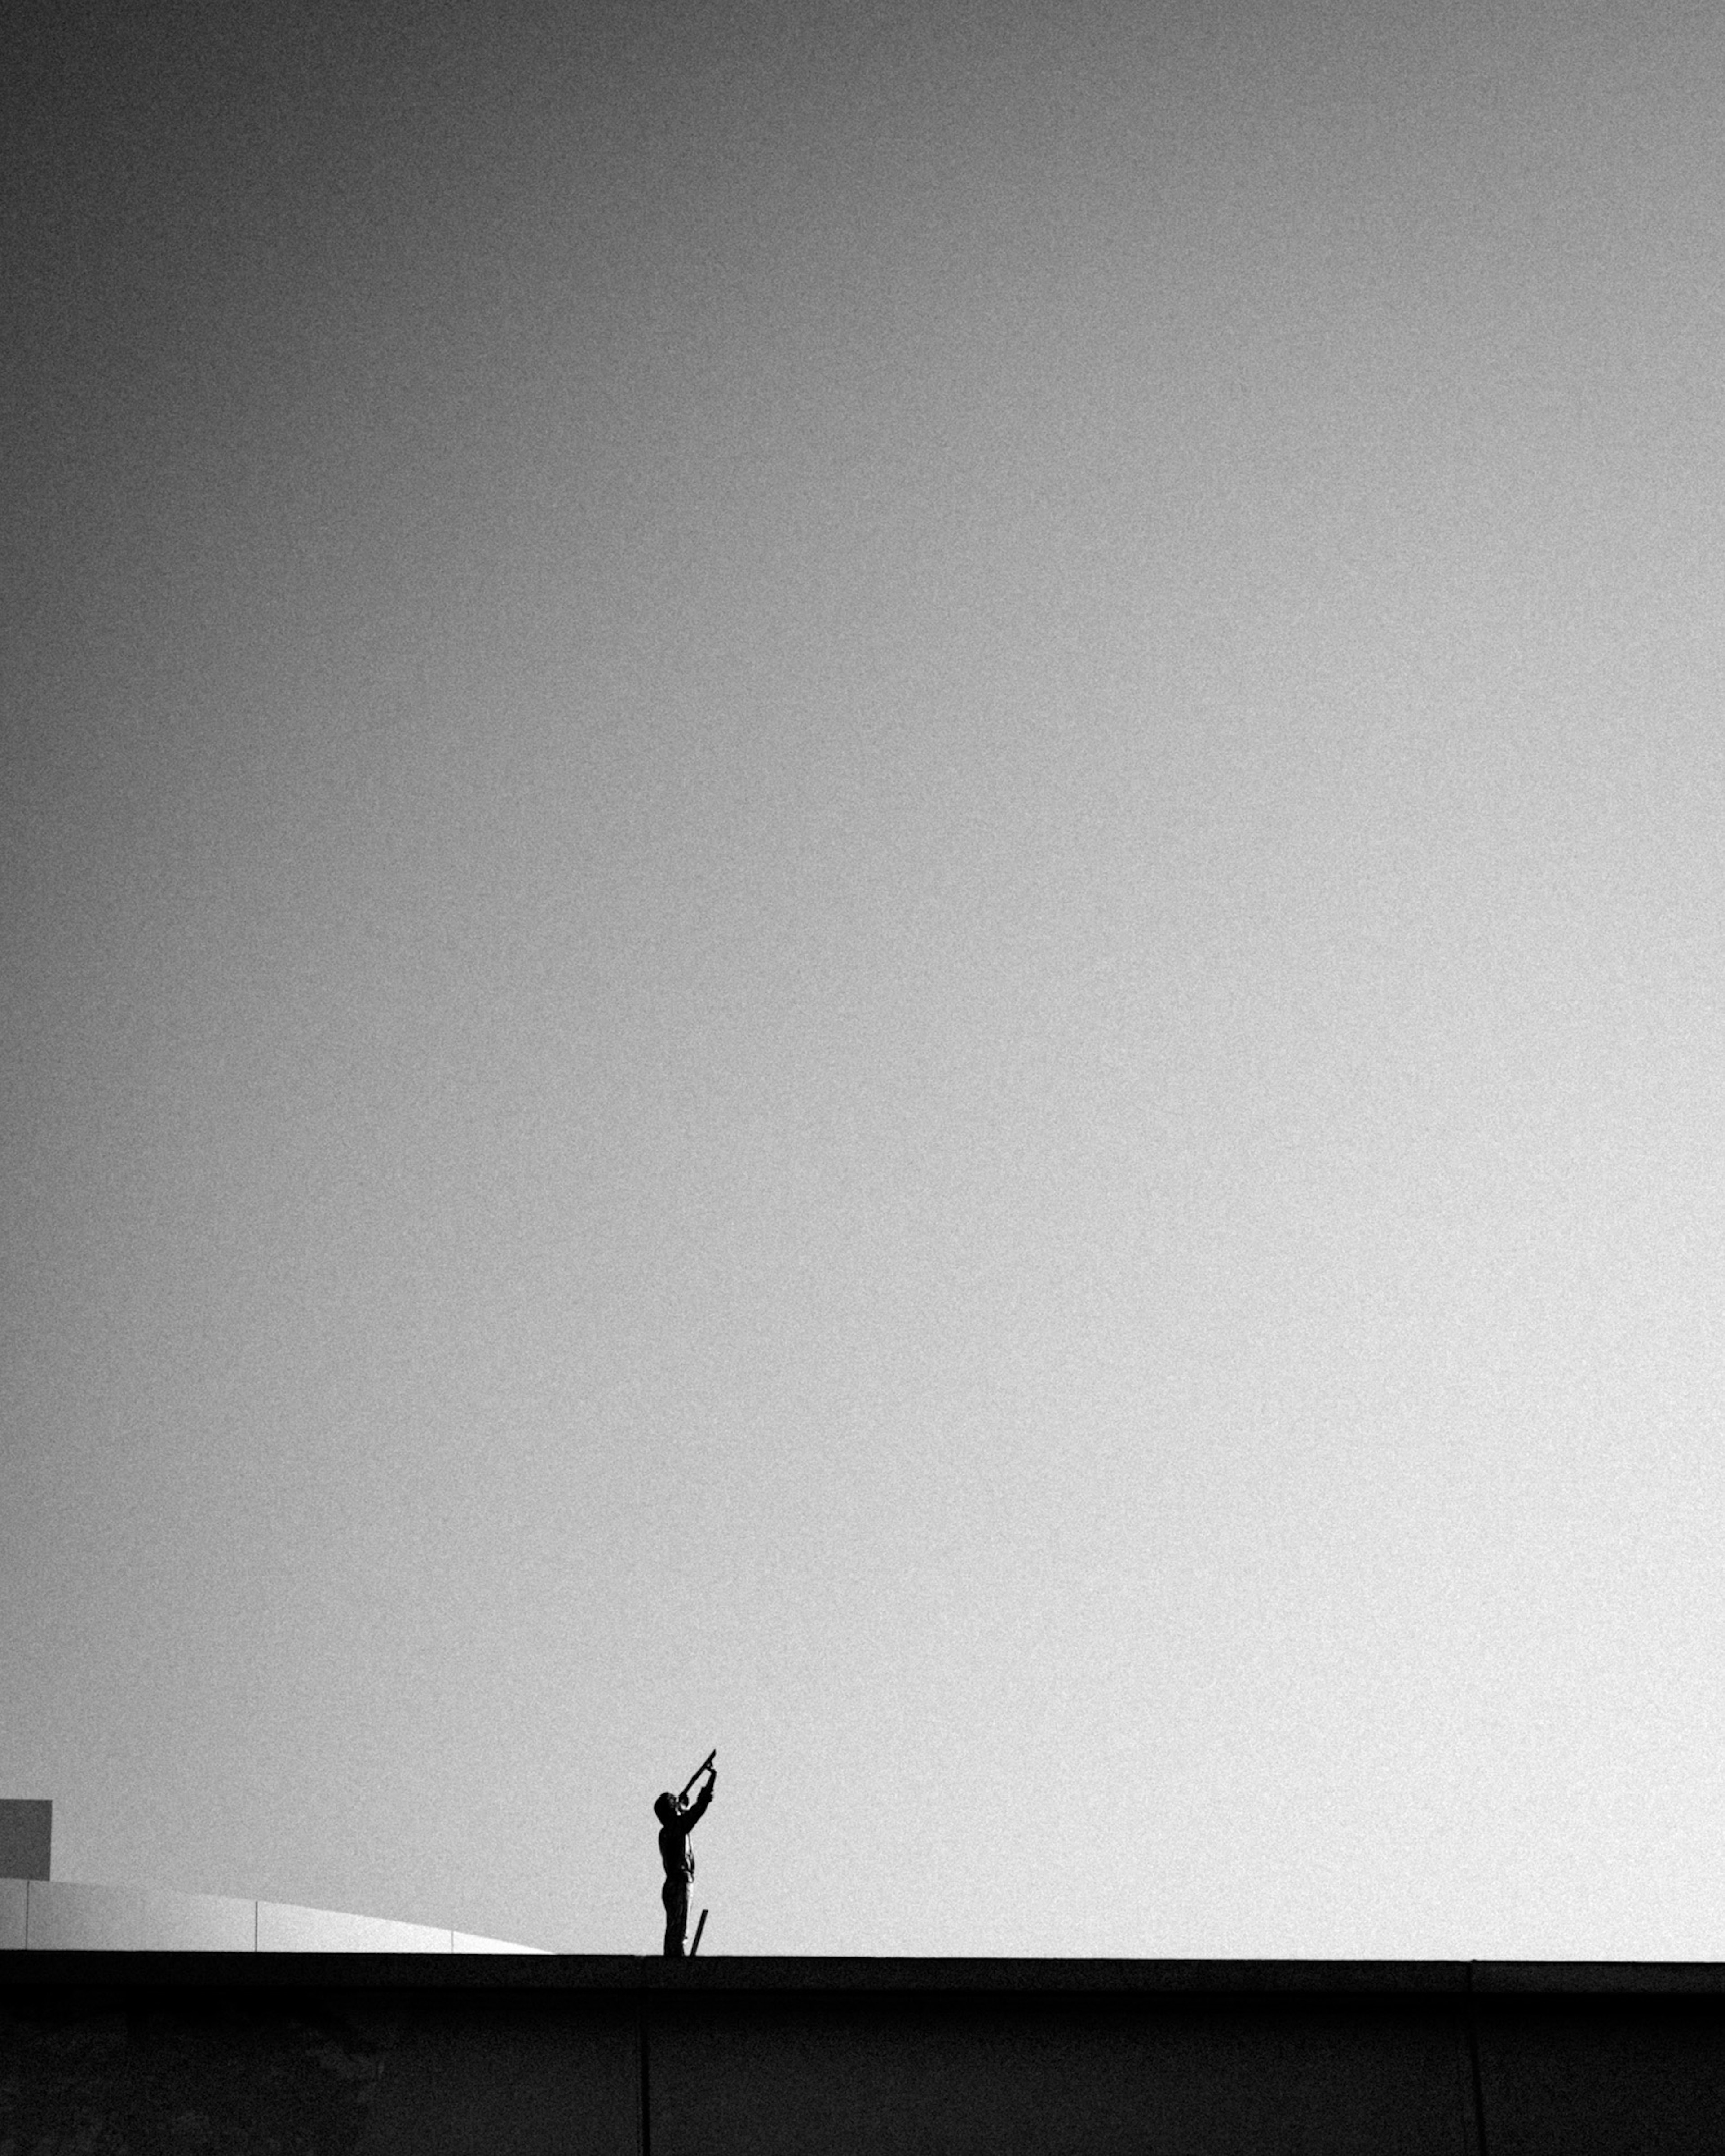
column 55, row 1914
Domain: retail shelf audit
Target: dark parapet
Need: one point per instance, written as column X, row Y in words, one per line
column 377, row 2054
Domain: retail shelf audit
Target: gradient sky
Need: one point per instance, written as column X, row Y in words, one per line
column 861, row 894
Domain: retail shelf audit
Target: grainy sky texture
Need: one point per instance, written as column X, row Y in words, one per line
column 864, row 877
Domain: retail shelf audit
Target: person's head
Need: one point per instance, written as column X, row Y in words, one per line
column 665, row 1805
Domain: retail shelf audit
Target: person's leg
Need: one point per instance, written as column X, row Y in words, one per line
column 676, row 1917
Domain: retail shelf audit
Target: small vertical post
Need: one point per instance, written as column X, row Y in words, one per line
column 699, row 1929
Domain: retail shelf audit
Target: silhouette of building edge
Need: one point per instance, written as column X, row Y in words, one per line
column 444, row 2054
column 136, row 2020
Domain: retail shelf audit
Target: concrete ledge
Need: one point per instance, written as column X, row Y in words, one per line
column 489, row 1966
column 1616, row 1978
column 437, row 2054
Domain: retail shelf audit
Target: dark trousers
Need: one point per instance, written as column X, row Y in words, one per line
column 676, row 1897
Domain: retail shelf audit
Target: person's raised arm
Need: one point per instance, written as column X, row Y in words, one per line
column 703, row 1801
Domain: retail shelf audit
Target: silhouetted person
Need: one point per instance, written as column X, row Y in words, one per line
column 675, row 1824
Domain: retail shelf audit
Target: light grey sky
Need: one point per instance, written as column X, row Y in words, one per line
column 863, row 897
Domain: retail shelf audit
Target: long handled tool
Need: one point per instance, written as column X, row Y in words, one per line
column 698, row 1773
column 699, row 1929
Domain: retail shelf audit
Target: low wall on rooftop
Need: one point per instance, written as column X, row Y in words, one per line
column 447, row 2055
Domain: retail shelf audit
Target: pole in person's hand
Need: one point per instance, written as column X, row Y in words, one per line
column 698, row 1773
